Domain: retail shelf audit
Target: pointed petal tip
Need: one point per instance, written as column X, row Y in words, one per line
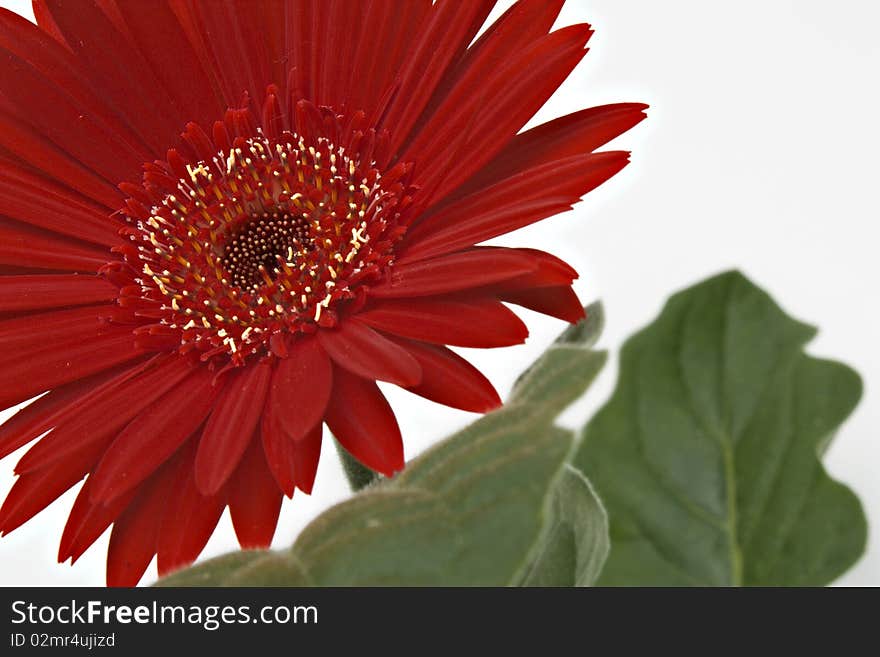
column 6, row 513
column 392, row 469
column 254, row 500
column 168, row 565
column 248, row 543
column 577, row 317
column 4, row 516
column 306, row 456
column 361, row 419
column 492, row 404
column 64, row 549
column 490, row 401
column 524, row 334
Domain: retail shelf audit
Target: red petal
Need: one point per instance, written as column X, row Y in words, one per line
column 363, row 422
column 87, row 521
column 189, row 521
column 481, row 322
column 34, row 491
column 231, row 425
column 42, row 414
column 73, row 126
column 313, row 29
column 560, row 302
column 134, row 539
column 19, row 293
column 300, row 388
column 25, row 246
column 154, row 435
column 278, row 451
column 45, row 52
column 233, row 41
column 549, row 272
column 299, row 46
column 449, row 379
column 254, row 499
column 46, row 23
column 293, row 463
column 448, row 30
column 91, row 61
column 575, row 134
column 475, row 267
column 104, row 415
column 525, row 22
column 362, row 351
column 306, row 454
column 466, row 131
column 34, row 149
column 158, row 35
column 33, row 199
column 270, row 29
column 387, row 33
column 339, row 21
column 518, row 201
column 41, row 331
column 45, row 370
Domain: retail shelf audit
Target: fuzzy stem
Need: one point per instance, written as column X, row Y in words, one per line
column 359, row 476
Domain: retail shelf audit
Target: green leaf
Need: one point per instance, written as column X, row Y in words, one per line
column 472, row 523
column 244, row 568
column 495, row 504
column 575, row 545
column 706, row 456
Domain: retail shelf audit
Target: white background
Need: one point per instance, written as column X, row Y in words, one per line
column 760, row 153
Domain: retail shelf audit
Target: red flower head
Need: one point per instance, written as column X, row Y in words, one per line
column 197, row 306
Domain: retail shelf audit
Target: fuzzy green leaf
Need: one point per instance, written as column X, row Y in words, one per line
column 575, row 545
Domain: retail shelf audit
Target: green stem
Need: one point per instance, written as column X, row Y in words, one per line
column 359, row 476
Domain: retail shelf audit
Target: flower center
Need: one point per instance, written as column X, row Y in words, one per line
column 257, row 255
column 269, row 238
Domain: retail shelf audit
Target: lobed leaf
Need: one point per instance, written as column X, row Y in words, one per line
column 707, row 455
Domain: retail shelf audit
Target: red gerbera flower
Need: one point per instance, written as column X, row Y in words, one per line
column 223, row 222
